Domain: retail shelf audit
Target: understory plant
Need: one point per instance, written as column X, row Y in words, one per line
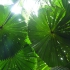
column 43, row 43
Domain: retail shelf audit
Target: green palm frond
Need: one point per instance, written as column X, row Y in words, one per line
column 50, row 34
column 12, row 33
column 25, row 59
column 41, row 65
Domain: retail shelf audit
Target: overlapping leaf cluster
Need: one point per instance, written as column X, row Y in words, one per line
column 49, row 33
column 15, row 53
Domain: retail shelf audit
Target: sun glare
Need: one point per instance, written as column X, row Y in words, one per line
column 28, row 5
column 6, row 2
column 31, row 6
column 16, row 8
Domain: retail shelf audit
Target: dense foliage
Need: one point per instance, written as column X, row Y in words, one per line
column 41, row 44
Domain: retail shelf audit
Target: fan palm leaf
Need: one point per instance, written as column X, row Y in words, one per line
column 25, row 59
column 50, row 33
column 12, row 32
